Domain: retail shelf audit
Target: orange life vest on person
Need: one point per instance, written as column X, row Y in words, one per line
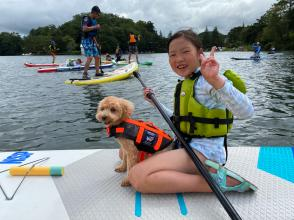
column 147, row 137
column 132, row 38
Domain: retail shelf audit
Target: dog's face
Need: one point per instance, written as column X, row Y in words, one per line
column 113, row 110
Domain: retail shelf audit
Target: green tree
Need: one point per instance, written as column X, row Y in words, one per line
column 206, row 39
column 37, row 44
column 274, row 28
column 114, row 31
column 234, row 37
column 216, row 38
column 11, row 44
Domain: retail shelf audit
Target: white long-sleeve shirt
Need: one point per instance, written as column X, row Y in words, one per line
column 227, row 97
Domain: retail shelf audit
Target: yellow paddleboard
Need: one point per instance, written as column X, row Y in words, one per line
column 118, row 74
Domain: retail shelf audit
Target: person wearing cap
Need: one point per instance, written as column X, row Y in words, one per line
column 256, row 48
column 89, row 42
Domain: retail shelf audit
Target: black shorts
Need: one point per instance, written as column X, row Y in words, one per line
column 133, row 48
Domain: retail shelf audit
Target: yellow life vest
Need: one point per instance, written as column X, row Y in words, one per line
column 194, row 119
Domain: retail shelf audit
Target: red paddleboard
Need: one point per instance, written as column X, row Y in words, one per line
column 40, row 65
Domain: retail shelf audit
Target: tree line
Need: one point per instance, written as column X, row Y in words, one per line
column 273, row 29
column 114, row 31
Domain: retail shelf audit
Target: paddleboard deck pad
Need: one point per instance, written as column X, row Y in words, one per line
column 115, row 75
column 90, row 188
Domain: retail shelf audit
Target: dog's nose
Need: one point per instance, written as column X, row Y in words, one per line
column 104, row 118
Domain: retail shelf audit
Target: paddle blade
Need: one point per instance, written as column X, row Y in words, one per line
column 136, row 74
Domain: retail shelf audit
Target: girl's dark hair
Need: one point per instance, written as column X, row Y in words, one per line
column 188, row 35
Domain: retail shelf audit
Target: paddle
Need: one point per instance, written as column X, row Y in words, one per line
column 211, row 182
column 80, row 79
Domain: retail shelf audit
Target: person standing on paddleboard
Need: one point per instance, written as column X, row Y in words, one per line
column 89, row 42
column 133, row 49
column 52, row 50
column 256, row 49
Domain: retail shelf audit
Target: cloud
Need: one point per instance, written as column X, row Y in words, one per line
column 21, row 16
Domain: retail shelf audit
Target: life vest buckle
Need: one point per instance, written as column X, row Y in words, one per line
column 192, row 121
column 216, row 122
column 175, row 118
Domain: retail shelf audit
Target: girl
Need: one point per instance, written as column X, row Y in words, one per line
column 173, row 171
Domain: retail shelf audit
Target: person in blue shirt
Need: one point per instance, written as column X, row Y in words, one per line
column 89, row 42
column 256, row 49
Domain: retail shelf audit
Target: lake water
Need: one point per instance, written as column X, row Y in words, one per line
column 39, row 112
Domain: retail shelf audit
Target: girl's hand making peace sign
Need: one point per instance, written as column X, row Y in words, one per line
column 210, row 69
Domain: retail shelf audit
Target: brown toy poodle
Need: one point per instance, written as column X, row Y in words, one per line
column 112, row 111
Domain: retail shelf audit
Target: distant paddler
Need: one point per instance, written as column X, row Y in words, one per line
column 89, row 42
column 133, row 49
column 73, row 62
column 272, row 50
column 118, row 54
column 256, row 49
column 52, row 50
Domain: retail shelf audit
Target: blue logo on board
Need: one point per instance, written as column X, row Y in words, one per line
column 17, row 157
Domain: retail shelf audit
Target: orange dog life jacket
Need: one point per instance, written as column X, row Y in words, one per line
column 146, row 135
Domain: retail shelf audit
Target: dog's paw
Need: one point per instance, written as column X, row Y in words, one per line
column 125, row 182
column 120, row 168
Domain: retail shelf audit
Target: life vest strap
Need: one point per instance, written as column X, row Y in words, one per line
column 216, row 121
column 143, row 155
column 158, row 143
column 119, row 130
column 140, row 135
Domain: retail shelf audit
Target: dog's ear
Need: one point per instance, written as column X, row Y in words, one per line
column 99, row 105
column 102, row 103
column 127, row 107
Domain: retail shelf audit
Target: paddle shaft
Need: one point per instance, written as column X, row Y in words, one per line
column 213, row 185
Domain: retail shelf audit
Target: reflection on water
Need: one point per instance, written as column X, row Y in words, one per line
column 38, row 111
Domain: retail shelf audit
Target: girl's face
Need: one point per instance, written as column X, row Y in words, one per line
column 183, row 57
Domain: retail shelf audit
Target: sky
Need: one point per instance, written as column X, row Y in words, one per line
column 167, row 15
